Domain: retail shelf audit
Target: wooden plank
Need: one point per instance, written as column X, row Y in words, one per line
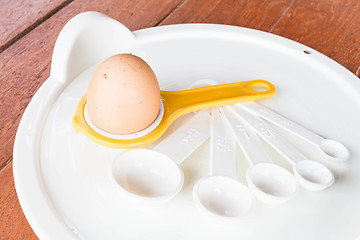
column 331, row 27
column 256, row 14
column 19, row 17
column 13, row 224
column 27, row 62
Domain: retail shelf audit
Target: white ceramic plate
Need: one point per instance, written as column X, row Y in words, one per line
column 62, row 178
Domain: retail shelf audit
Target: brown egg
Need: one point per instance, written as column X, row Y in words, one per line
column 123, row 95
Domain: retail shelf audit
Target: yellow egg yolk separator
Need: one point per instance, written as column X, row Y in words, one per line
column 176, row 104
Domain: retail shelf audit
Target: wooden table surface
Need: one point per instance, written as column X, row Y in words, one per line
column 29, row 28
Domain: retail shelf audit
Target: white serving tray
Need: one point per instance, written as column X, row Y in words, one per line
column 62, row 178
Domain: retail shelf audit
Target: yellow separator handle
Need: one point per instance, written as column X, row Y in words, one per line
column 178, row 103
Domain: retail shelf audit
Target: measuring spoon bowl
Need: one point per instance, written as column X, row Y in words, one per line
column 312, row 175
column 334, row 150
column 271, row 183
column 154, row 176
column 223, row 197
column 307, row 172
column 147, row 175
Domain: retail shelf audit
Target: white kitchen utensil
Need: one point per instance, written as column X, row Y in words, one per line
column 154, row 176
column 331, row 149
column 269, row 182
column 221, row 195
column 312, row 175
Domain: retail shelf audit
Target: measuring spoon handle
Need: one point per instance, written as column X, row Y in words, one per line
column 223, row 153
column 288, row 151
column 331, row 149
column 283, row 122
column 186, row 139
column 247, row 139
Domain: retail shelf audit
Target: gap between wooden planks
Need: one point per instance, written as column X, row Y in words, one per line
column 20, row 17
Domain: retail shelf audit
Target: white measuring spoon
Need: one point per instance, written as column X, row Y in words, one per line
column 331, row 149
column 269, row 182
column 312, row 175
column 221, row 195
column 154, row 176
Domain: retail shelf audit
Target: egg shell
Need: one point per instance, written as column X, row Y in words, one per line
column 123, row 96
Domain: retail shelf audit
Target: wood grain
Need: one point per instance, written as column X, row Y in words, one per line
column 331, row 27
column 256, row 14
column 20, row 16
column 13, row 224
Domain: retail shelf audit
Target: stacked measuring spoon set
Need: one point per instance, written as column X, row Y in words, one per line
column 228, row 114
column 155, row 176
